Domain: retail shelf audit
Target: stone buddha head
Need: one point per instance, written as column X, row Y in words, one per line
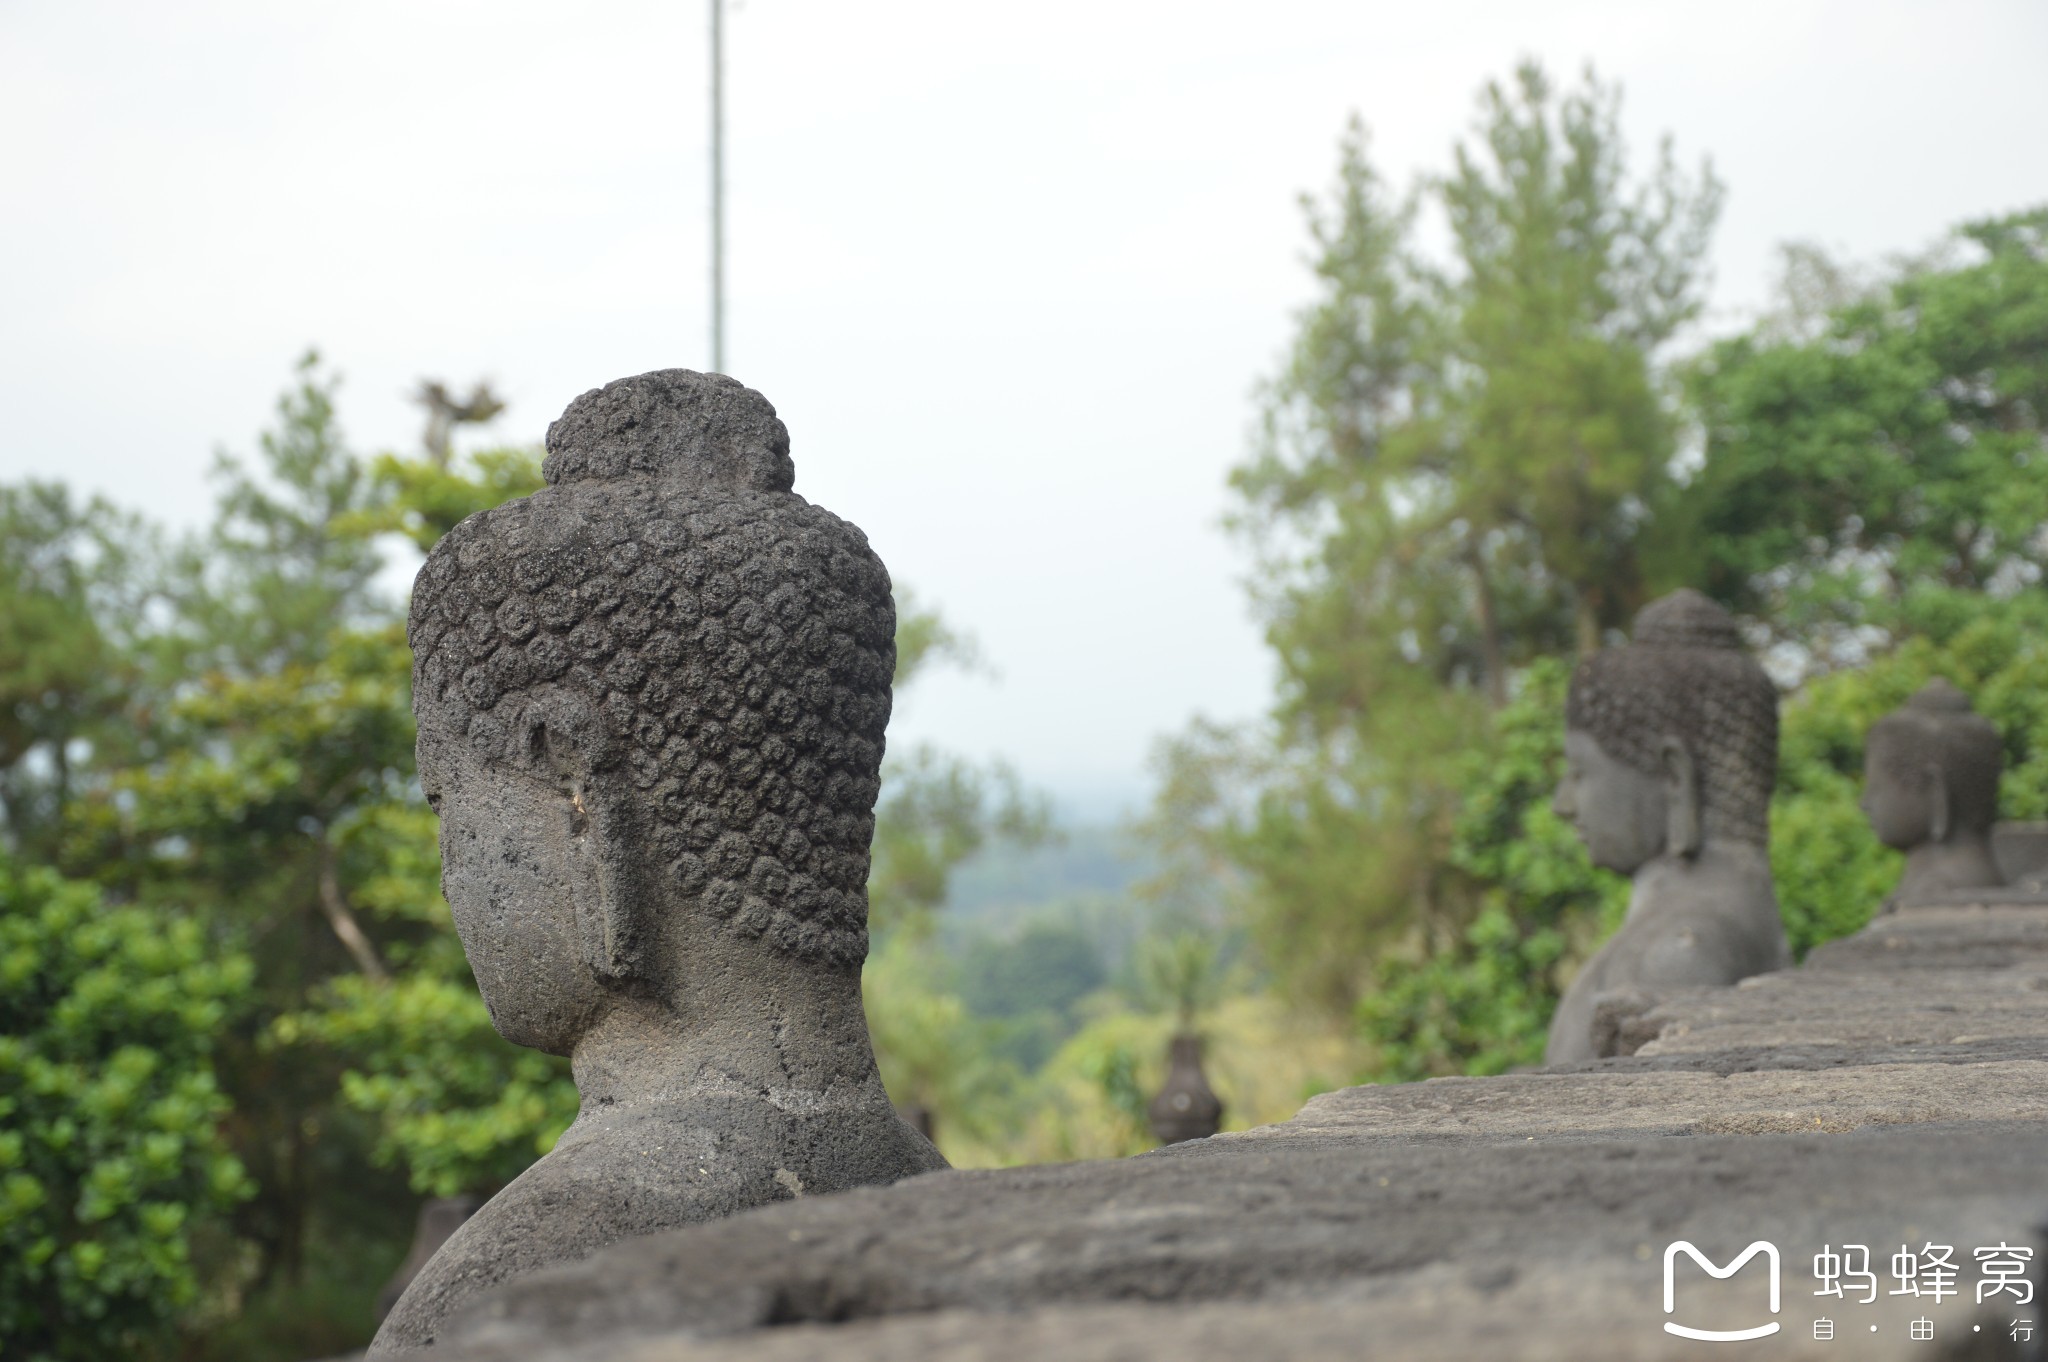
column 651, row 702
column 1671, row 742
column 1931, row 769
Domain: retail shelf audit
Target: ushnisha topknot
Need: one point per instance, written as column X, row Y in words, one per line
column 1685, row 675
column 1941, row 696
column 1939, row 727
column 671, row 607
column 706, row 430
column 1685, row 619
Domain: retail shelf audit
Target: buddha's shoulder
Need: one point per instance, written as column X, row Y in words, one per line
column 619, row 1179
column 1704, row 941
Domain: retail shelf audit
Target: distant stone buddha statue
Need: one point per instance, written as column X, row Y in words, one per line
column 651, row 701
column 1930, row 788
column 1671, row 748
column 1185, row 1107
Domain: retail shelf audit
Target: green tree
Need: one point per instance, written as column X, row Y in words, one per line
column 1450, row 480
column 271, row 786
column 1479, row 1000
column 1451, row 467
column 277, row 738
column 1556, row 437
column 1870, row 493
column 112, row 1160
column 279, row 575
column 455, row 1107
column 423, row 499
column 71, row 607
column 935, row 1055
column 936, row 808
column 1877, row 469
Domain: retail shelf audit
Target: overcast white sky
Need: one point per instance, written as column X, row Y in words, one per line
column 1008, row 270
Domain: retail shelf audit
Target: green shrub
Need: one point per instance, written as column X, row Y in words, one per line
column 111, row 1156
column 457, row 1106
column 1479, row 999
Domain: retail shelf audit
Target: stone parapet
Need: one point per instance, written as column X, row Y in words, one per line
column 1891, row 1093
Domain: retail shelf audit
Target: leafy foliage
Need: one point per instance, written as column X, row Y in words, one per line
column 279, row 574
column 458, row 1108
column 247, row 750
column 937, row 809
column 1881, row 469
column 1448, row 483
column 1832, row 873
column 1464, row 473
column 1480, row 1001
column 71, row 603
column 934, row 1053
column 111, row 1152
column 423, row 499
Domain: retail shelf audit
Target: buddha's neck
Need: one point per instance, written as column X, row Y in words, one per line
column 1963, row 861
column 1717, row 853
column 1719, row 859
column 778, row 1044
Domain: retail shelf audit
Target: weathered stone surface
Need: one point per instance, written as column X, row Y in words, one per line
column 1670, row 756
column 694, row 942
column 1975, row 937
column 1880, row 1097
column 1681, row 1102
column 1185, row 1107
column 1946, row 1015
column 1930, row 788
column 2021, row 849
column 1431, row 1319
column 651, row 703
column 1428, row 1248
column 439, row 1218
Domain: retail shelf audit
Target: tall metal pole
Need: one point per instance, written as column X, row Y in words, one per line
column 718, row 186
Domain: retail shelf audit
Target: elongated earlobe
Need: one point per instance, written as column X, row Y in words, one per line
column 1682, row 833
column 1937, row 803
column 607, row 916
column 600, row 838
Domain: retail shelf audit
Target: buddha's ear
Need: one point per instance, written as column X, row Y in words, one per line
column 567, row 744
column 603, row 846
column 1681, row 798
column 1938, row 816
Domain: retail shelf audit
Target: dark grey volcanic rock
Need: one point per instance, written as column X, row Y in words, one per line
column 1930, row 788
column 1881, row 1097
column 1979, row 937
column 1670, row 755
column 1443, row 1242
column 651, row 703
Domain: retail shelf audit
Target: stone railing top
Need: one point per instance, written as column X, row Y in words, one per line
column 1894, row 1087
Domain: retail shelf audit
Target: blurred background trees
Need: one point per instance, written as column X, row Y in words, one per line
column 1470, row 471
column 114, row 1166
column 238, row 1038
column 1451, row 481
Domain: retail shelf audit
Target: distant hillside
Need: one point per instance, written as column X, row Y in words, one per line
column 1003, row 882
